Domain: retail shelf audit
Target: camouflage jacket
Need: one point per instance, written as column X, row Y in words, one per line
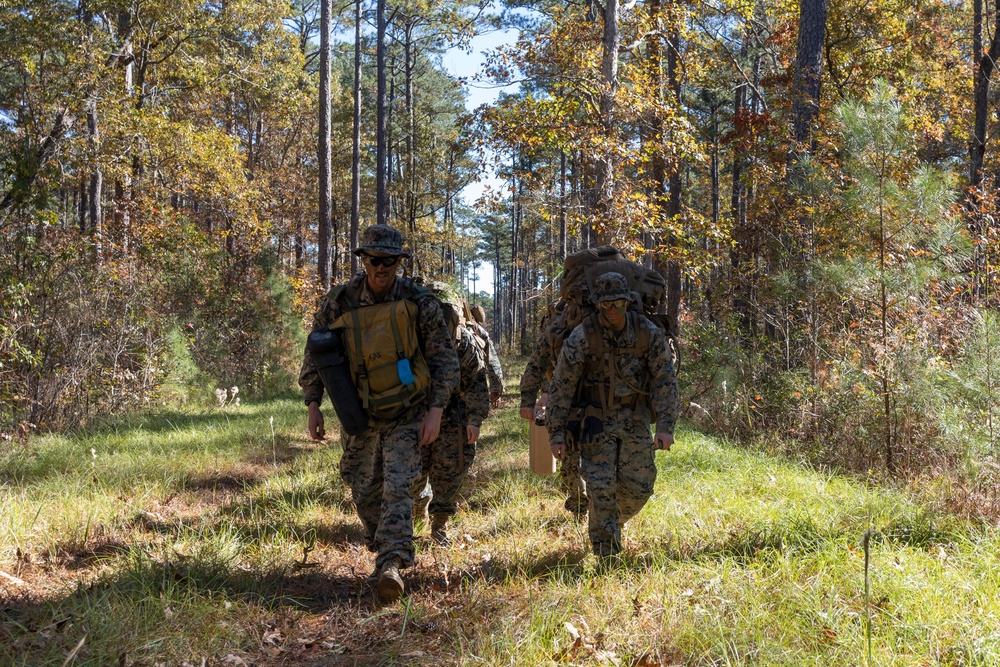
column 653, row 372
column 537, row 373
column 493, row 370
column 435, row 342
column 471, row 402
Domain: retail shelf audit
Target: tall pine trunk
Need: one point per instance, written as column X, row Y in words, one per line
column 356, row 148
column 381, row 193
column 324, row 235
column 610, row 43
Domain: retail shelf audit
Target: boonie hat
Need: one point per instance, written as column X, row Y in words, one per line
column 611, row 286
column 382, row 238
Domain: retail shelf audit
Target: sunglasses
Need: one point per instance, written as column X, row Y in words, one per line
column 617, row 304
column 382, row 261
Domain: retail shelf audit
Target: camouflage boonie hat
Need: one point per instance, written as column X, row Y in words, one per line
column 611, row 286
column 479, row 313
column 382, row 238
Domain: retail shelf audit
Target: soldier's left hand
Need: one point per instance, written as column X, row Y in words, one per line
column 430, row 427
column 495, row 399
column 471, row 434
column 557, row 452
column 663, row 441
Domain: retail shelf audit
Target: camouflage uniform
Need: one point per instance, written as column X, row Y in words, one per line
column 446, row 461
column 494, row 371
column 535, row 379
column 381, row 465
column 616, row 446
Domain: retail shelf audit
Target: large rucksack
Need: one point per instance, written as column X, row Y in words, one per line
column 580, row 272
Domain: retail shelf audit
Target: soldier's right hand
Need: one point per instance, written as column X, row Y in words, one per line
column 527, row 413
column 316, row 430
column 557, row 451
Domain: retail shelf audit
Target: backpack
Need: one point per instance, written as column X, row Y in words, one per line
column 387, row 364
column 478, row 331
column 580, row 271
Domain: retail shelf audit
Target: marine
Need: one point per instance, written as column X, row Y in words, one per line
column 535, row 379
column 381, row 464
column 494, row 371
column 613, row 375
column 445, row 463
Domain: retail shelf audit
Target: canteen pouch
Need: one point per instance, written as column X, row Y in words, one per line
column 328, row 356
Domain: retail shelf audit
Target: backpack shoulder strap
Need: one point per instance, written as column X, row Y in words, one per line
column 410, row 291
column 642, row 332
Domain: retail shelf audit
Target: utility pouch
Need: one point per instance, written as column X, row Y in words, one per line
column 592, row 427
column 585, row 422
column 573, row 422
column 327, row 353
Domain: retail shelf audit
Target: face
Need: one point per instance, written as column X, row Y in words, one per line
column 381, row 269
column 613, row 313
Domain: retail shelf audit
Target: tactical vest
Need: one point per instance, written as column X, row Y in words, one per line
column 601, row 380
column 389, row 369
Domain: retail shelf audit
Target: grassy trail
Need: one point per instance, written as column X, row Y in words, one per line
column 226, row 538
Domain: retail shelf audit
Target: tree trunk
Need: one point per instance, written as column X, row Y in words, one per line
column 96, row 180
column 562, row 205
column 739, row 254
column 356, row 149
column 808, row 75
column 674, row 187
column 324, row 232
column 610, row 44
column 381, row 193
column 411, row 123
column 985, row 67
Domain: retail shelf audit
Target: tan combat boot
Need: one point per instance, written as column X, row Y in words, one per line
column 390, row 584
column 438, row 529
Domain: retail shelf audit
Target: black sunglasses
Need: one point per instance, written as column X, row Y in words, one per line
column 382, row 261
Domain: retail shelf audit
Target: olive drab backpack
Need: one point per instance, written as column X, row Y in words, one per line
column 388, row 366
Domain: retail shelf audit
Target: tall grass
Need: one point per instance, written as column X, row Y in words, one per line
column 196, row 536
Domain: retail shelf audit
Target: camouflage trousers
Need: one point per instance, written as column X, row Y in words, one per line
column 620, row 468
column 571, row 482
column 380, row 467
column 443, row 470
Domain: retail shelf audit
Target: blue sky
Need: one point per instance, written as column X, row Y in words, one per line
column 469, row 65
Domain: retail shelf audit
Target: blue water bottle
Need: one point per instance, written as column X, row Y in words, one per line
column 404, row 371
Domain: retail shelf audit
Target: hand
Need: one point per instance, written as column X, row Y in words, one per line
column 316, row 430
column 528, row 413
column 495, row 399
column 663, row 441
column 430, row 427
column 557, row 451
column 471, row 434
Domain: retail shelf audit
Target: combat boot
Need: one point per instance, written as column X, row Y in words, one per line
column 438, row 529
column 390, row 584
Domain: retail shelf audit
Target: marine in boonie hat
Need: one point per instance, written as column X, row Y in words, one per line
column 611, row 286
column 382, row 239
